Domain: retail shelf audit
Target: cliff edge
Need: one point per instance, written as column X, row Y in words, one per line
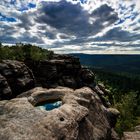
column 56, row 99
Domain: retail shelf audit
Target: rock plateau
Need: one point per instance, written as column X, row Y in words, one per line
column 84, row 114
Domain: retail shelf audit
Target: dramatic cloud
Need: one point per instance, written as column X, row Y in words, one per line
column 66, row 26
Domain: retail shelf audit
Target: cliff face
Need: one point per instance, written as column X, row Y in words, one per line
column 15, row 78
column 62, row 70
column 83, row 112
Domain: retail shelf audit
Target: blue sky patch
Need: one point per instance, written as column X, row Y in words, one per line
column 12, row 1
column 31, row 5
column 8, row 19
column 83, row 1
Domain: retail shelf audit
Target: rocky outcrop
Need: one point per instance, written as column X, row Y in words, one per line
column 135, row 135
column 62, row 102
column 62, row 70
column 15, row 78
column 82, row 116
column 5, row 90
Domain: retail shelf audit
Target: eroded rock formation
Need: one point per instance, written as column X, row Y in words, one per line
column 62, row 70
column 134, row 135
column 82, row 116
column 15, row 78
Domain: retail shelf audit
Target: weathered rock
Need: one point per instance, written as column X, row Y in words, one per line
column 101, row 94
column 135, row 135
column 113, row 114
column 62, row 70
column 137, row 128
column 66, row 70
column 102, row 87
column 87, row 75
column 15, row 78
column 82, row 116
column 69, row 82
column 5, row 90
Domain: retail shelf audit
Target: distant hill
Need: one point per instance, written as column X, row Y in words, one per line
column 115, row 63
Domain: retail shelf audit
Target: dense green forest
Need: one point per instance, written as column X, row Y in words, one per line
column 126, row 63
column 124, row 95
column 24, row 51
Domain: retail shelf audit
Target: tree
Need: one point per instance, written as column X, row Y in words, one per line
column 24, row 52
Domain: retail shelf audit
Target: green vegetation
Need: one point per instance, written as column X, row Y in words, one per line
column 129, row 64
column 127, row 106
column 125, row 96
column 23, row 52
column 124, row 87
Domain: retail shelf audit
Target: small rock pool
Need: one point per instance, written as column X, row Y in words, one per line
column 49, row 105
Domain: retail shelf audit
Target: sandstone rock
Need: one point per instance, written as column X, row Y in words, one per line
column 87, row 75
column 15, row 78
column 48, row 70
column 80, row 110
column 66, row 70
column 135, row 135
column 113, row 114
column 101, row 94
column 61, row 70
column 137, row 128
column 82, row 116
column 5, row 90
column 102, row 87
column 69, row 82
column 51, row 72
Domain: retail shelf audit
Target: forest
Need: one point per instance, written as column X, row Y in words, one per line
column 124, row 95
column 22, row 52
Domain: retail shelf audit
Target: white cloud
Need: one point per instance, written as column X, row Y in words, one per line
column 99, row 26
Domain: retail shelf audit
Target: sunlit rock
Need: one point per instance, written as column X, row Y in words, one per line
column 56, row 114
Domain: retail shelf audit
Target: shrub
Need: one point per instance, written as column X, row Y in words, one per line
column 24, row 51
column 127, row 107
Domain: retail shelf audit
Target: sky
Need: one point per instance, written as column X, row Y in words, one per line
column 73, row 26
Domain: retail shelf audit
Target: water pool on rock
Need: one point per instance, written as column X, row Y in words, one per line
column 49, row 105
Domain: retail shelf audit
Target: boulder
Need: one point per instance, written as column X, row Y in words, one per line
column 101, row 94
column 82, row 116
column 102, row 87
column 134, row 135
column 61, row 70
column 87, row 75
column 15, row 78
